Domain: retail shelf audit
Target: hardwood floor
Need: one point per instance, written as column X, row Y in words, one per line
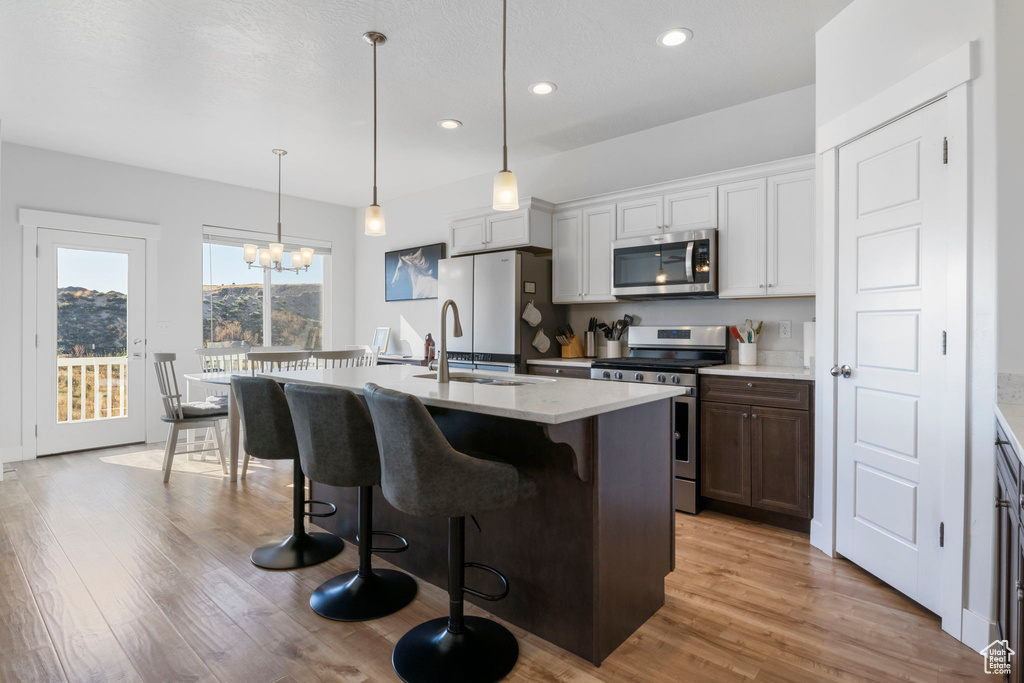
column 107, row 574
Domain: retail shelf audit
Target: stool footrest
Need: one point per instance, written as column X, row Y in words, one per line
column 332, row 506
column 400, row 549
column 487, row 596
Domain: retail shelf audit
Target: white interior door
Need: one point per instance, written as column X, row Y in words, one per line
column 892, row 317
column 91, row 348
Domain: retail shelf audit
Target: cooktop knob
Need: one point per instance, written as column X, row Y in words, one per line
column 618, row 375
column 606, row 374
column 639, row 377
column 675, row 379
column 661, row 378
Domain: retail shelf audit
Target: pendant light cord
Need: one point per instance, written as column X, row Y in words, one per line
column 504, row 87
column 279, row 198
column 375, row 122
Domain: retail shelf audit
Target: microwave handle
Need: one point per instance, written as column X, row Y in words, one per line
column 689, row 261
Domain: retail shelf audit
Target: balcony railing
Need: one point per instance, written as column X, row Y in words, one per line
column 91, row 388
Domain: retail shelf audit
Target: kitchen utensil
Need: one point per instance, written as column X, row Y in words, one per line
column 568, row 327
column 607, row 331
column 589, row 344
column 735, row 333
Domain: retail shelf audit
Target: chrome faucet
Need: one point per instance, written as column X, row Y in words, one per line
column 442, row 361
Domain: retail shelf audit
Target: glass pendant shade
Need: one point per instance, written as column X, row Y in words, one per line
column 264, row 258
column 276, row 252
column 307, row 256
column 250, row 252
column 506, row 191
column 296, row 259
column 374, row 220
column 661, row 278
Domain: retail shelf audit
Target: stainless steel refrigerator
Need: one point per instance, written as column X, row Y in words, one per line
column 491, row 291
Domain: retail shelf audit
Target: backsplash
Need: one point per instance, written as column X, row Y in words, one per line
column 790, row 359
column 1010, row 388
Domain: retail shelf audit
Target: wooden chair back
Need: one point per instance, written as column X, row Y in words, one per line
column 170, row 396
column 338, row 359
column 263, row 361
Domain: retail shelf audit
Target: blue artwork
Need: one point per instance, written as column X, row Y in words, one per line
column 412, row 273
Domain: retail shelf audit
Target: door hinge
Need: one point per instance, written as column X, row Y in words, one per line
column 37, row 430
column 37, row 341
column 943, row 342
column 37, row 251
column 942, row 534
column 945, row 150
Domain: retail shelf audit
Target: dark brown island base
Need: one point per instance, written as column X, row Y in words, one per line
column 586, row 559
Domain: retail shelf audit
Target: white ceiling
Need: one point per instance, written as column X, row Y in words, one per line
column 207, row 87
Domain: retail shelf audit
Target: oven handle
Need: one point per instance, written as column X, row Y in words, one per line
column 691, row 425
column 689, row 262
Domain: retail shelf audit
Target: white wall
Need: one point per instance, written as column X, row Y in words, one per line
column 52, row 181
column 763, row 130
column 869, row 46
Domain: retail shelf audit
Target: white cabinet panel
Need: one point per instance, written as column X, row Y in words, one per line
column 741, row 239
column 598, row 233
column 468, row 235
column 507, row 230
column 567, row 261
column 638, row 217
column 692, row 210
column 791, row 234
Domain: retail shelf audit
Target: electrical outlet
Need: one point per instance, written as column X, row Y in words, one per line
column 785, row 329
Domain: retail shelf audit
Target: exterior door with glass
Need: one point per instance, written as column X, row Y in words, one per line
column 91, row 344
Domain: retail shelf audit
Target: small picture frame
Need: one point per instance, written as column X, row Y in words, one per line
column 381, row 337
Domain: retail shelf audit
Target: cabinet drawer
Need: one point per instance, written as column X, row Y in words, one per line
column 556, row 371
column 774, row 393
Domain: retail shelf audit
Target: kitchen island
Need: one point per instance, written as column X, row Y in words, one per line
column 587, row 557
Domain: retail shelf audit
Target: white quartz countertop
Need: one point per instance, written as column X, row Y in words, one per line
column 563, row 362
column 540, row 399
column 1011, row 417
column 764, row 371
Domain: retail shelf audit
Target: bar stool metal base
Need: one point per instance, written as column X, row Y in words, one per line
column 351, row 597
column 484, row 652
column 297, row 551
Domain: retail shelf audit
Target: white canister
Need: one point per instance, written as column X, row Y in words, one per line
column 613, row 349
column 748, row 354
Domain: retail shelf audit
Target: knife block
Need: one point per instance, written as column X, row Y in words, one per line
column 574, row 349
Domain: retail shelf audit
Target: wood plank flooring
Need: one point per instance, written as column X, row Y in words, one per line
column 107, row 574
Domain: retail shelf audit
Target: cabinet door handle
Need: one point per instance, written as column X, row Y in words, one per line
column 744, row 414
column 1022, row 500
column 1020, row 592
column 770, row 284
column 760, row 286
column 753, row 416
column 558, row 371
column 750, row 384
column 1000, row 503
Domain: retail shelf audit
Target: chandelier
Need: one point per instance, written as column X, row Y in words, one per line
column 273, row 257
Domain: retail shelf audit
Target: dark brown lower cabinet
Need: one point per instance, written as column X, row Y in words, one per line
column 1010, row 537
column 756, row 458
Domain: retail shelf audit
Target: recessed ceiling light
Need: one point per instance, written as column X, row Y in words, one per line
column 675, row 36
column 450, row 124
column 543, row 88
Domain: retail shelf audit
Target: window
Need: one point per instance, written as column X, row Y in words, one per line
column 250, row 305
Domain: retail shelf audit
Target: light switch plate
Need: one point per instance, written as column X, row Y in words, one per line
column 785, row 329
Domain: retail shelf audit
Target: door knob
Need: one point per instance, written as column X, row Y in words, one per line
column 1000, row 503
column 844, row 370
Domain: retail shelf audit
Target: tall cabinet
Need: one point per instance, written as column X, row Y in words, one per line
column 582, row 252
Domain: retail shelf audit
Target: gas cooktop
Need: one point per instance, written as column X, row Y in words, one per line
column 666, row 355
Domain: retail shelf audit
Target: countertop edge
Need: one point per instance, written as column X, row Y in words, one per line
column 764, row 371
column 1004, row 422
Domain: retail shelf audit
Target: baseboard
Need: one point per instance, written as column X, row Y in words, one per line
column 820, row 539
column 977, row 631
column 11, row 454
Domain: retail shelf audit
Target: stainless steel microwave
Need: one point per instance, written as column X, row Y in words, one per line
column 680, row 265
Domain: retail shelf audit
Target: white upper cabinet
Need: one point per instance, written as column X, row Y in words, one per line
column 582, row 254
column 691, row 210
column 639, row 217
column 567, row 258
column 741, row 239
column 598, row 233
column 528, row 227
column 791, row 234
column 468, row 235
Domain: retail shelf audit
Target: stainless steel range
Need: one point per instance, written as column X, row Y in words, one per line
column 671, row 356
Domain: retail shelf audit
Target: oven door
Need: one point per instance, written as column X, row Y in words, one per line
column 673, row 264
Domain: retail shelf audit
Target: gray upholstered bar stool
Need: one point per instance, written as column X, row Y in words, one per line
column 422, row 475
column 337, row 447
column 270, row 435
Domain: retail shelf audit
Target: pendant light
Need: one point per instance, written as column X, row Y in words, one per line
column 272, row 257
column 374, row 214
column 506, row 189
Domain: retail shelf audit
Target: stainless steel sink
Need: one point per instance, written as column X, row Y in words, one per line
column 480, row 379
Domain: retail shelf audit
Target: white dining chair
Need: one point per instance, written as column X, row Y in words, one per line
column 339, row 359
column 224, row 358
column 370, row 352
column 269, row 361
column 182, row 416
